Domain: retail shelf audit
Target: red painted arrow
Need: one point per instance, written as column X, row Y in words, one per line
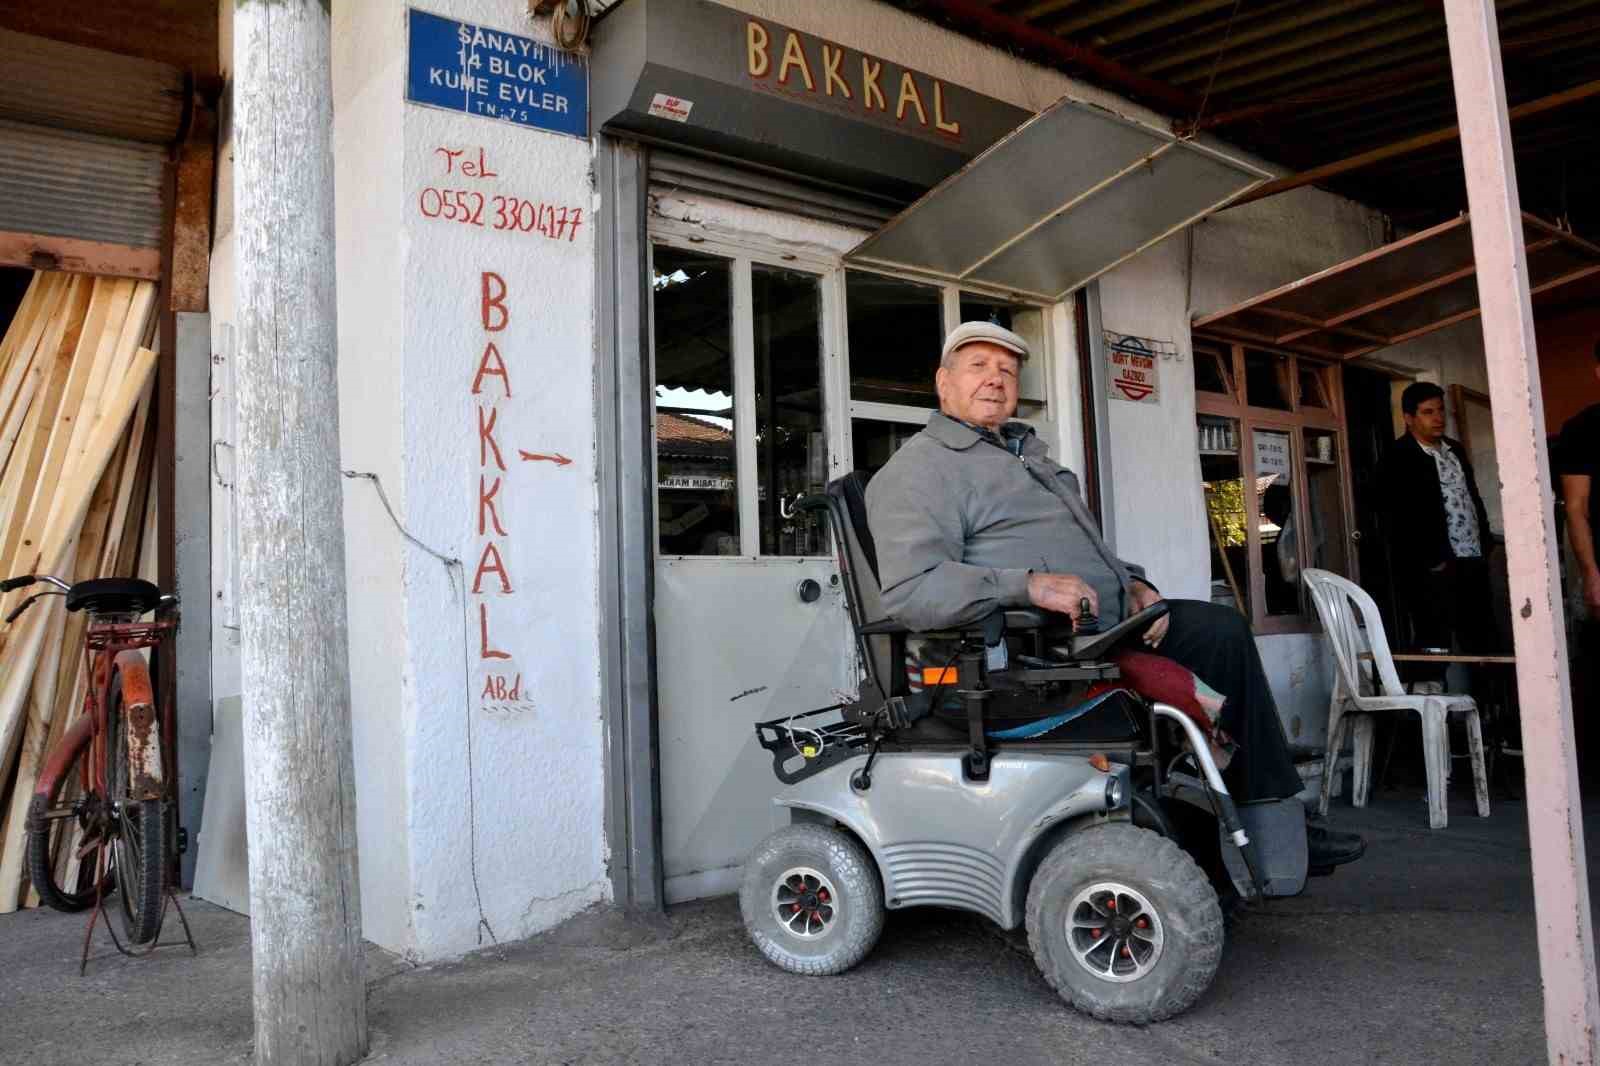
column 558, row 458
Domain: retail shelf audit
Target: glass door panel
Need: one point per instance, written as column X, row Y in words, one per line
column 1222, row 477
column 1327, row 541
column 791, row 437
column 1276, row 491
column 697, row 498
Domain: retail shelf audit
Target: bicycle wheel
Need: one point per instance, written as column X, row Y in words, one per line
column 62, row 879
column 138, row 843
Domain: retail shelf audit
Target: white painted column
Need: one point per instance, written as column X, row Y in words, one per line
column 1555, row 821
column 305, row 930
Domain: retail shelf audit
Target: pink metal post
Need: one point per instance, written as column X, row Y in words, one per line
column 1555, row 822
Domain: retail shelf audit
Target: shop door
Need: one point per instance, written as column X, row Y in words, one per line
column 750, row 622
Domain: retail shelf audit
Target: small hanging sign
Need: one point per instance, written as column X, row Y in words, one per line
column 493, row 74
column 1135, row 366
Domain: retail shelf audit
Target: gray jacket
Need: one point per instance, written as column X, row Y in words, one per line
column 960, row 522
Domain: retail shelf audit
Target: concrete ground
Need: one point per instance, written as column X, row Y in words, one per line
column 1423, row 952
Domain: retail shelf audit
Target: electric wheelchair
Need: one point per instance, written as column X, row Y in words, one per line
column 1023, row 784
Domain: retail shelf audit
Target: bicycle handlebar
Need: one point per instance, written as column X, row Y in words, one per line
column 167, row 602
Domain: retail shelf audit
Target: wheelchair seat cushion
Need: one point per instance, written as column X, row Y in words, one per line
column 1161, row 680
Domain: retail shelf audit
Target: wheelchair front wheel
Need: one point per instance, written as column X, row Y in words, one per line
column 1124, row 925
column 812, row 900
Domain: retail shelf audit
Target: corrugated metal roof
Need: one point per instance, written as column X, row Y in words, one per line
column 65, row 184
column 70, row 87
column 1305, row 84
column 1406, row 289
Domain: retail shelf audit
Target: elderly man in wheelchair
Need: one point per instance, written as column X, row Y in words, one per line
column 1039, row 737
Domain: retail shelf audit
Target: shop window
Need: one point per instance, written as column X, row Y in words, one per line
column 873, row 441
column 791, row 448
column 1028, row 323
column 697, row 502
column 1275, row 480
column 1279, row 531
column 1222, row 477
column 896, row 330
column 1313, row 387
column 1327, row 535
column 1211, row 372
column 1266, row 377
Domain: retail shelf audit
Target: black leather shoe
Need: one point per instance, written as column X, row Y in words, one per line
column 1329, row 848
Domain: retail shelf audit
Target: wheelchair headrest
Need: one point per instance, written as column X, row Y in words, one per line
column 851, row 490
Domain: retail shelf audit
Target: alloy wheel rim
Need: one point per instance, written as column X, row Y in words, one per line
column 804, row 903
column 1114, row 932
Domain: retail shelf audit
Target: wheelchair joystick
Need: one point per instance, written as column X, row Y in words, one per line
column 1088, row 621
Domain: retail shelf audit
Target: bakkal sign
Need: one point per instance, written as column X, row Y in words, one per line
column 822, row 74
column 494, row 74
column 696, row 75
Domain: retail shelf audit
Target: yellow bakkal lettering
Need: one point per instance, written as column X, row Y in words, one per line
column 756, row 58
column 870, row 87
column 830, row 70
column 908, row 93
column 794, row 56
column 953, row 128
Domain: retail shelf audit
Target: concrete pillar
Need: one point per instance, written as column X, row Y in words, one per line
column 1555, row 821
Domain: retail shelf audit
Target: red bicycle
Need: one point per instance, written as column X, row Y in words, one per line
column 108, row 777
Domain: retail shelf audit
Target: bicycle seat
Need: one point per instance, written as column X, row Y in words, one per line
column 113, row 595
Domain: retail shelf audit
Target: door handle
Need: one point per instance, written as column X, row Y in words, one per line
column 809, row 590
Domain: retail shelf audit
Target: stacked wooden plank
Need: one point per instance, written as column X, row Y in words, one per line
column 76, row 459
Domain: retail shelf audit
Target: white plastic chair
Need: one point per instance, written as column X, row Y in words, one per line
column 1338, row 602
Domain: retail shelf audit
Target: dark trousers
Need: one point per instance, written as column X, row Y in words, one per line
column 1451, row 608
column 1216, row 645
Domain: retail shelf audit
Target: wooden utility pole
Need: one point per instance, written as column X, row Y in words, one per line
column 305, row 929
column 1555, row 820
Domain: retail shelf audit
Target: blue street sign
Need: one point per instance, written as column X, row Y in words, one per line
column 493, row 74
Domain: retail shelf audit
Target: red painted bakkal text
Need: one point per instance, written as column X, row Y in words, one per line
column 491, row 578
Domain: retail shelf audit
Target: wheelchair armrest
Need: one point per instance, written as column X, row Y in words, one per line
column 1022, row 619
column 1016, row 619
column 1097, row 646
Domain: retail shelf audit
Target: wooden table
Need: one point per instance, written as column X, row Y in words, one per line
column 1433, row 657
column 1499, row 720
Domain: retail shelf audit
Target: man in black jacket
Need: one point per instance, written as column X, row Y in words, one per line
column 1438, row 531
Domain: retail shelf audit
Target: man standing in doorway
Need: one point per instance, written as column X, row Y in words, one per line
column 1438, row 531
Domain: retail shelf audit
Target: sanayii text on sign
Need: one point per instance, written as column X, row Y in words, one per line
column 494, row 74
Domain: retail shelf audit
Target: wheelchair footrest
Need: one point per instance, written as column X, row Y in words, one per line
column 1277, row 829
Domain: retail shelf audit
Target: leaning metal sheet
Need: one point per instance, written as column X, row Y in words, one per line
column 1403, row 290
column 1062, row 199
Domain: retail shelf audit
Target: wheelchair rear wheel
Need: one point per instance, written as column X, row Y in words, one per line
column 1124, row 925
column 812, row 900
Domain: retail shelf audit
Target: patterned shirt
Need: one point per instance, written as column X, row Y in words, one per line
column 1461, row 518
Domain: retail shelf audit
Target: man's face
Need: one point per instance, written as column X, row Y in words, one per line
column 980, row 384
column 1427, row 425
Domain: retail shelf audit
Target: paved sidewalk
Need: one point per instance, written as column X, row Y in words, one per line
column 1424, row 952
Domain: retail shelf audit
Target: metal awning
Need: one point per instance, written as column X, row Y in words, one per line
column 1403, row 290
column 1059, row 201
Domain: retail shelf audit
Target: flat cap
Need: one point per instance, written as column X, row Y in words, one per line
column 968, row 332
